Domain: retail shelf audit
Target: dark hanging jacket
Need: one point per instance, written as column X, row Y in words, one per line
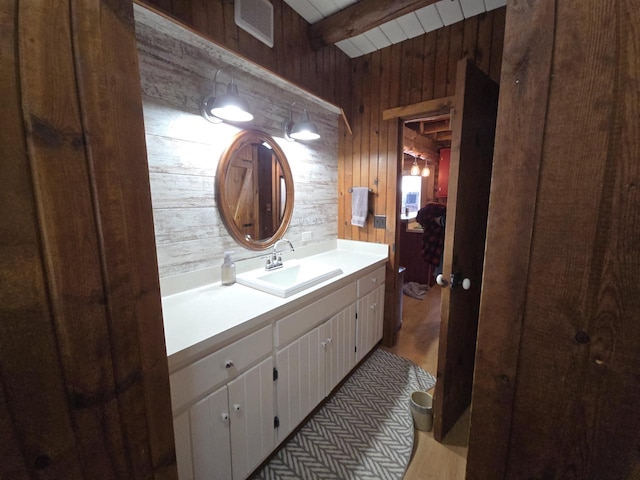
column 431, row 218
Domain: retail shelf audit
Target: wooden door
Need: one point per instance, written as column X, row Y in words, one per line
column 252, row 411
column 473, row 129
column 210, row 438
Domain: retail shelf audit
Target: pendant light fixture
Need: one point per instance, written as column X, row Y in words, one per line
column 415, row 169
column 426, row 171
column 229, row 106
column 305, row 129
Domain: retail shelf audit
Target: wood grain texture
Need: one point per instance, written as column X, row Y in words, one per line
column 291, row 57
column 177, row 67
column 557, row 371
column 360, row 17
column 514, row 183
column 84, row 368
column 401, row 82
column 473, row 127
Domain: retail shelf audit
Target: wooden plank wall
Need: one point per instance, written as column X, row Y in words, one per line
column 557, row 380
column 422, row 68
column 176, row 67
column 325, row 72
column 84, row 389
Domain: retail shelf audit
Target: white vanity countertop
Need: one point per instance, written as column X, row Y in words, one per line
column 200, row 320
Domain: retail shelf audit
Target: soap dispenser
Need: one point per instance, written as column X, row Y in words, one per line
column 228, row 270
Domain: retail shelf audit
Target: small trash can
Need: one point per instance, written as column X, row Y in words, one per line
column 422, row 410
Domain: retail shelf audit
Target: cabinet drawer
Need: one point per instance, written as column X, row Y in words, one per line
column 371, row 282
column 300, row 322
column 201, row 376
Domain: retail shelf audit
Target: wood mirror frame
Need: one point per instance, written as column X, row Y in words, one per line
column 254, row 222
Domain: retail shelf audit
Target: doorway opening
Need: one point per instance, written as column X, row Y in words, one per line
column 472, row 114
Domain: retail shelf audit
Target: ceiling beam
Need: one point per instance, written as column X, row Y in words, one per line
column 358, row 18
column 435, row 127
column 415, row 144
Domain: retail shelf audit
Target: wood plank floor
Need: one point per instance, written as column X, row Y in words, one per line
column 418, row 342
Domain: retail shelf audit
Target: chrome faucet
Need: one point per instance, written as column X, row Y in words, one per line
column 274, row 260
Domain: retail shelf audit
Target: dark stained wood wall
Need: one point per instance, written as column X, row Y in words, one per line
column 84, row 388
column 324, row 72
column 422, row 68
column 556, row 393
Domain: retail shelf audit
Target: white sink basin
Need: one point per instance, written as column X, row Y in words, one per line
column 294, row 277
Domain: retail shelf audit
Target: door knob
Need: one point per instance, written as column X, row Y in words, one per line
column 440, row 280
column 456, row 281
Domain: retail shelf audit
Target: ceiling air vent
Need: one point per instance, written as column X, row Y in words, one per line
column 256, row 17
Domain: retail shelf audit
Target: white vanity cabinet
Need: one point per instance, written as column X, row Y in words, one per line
column 237, row 417
column 248, row 390
column 370, row 312
column 311, row 364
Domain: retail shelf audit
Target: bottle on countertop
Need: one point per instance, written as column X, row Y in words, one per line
column 228, row 270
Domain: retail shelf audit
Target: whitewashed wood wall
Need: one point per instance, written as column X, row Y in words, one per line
column 177, row 69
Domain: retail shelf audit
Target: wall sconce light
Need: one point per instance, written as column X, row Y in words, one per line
column 229, row 106
column 305, row 129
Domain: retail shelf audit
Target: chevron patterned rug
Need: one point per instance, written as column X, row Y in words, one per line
column 365, row 431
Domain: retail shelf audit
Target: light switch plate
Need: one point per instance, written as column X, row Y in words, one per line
column 380, row 221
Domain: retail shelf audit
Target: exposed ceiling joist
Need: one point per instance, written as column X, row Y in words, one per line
column 417, row 145
column 435, row 126
column 359, row 18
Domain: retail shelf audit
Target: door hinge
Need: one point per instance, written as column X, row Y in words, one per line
column 276, row 422
column 356, row 315
column 355, row 349
column 275, row 374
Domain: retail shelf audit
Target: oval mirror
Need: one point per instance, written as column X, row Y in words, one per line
column 254, row 190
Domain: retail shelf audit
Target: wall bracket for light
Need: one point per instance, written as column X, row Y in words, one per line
column 305, row 129
column 230, row 106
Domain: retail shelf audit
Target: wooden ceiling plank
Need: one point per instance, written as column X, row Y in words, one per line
column 360, row 17
column 423, row 110
column 435, row 126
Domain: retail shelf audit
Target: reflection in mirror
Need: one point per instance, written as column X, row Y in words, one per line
column 254, row 190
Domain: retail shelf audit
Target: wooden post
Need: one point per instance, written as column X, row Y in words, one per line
column 556, row 387
column 85, row 391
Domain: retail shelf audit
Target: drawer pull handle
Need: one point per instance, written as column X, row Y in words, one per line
column 225, row 416
column 373, row 307
column 374, row 280
column 228, row 364
column 236, row 407
column 329, row 340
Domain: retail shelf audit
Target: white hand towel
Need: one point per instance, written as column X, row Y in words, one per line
column 359, row 206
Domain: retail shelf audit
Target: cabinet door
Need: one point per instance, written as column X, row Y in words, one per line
column 182, row 435
column 251, row 404
column 369, row 327
column 443, row 172
column 378, row 313
column 301, row 380
column 339, row 333
column 210, row 437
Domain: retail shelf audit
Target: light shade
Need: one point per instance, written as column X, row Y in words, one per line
column 415, row 169
column 230, row 106
column 302, row 130
column 425, row 171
